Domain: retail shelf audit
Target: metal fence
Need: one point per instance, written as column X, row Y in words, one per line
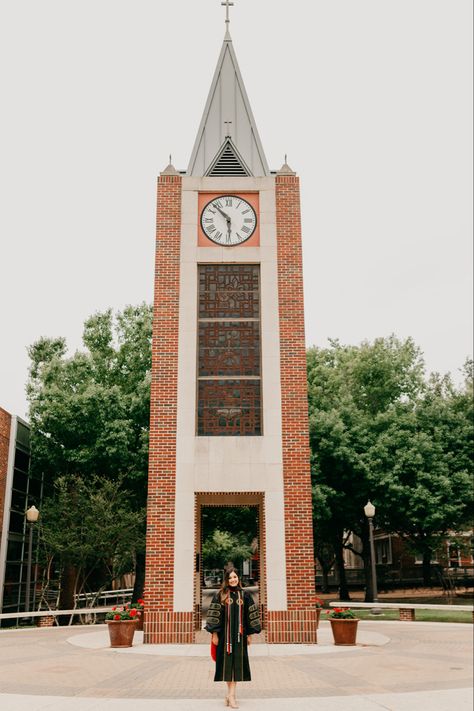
column 390, row 578
column 104, row 598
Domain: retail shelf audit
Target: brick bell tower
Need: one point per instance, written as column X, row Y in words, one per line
column 229, row 413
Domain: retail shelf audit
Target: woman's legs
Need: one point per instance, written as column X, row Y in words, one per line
column 232, row 689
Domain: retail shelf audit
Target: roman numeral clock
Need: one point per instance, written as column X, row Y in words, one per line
column 228, row 220
column 229, row 412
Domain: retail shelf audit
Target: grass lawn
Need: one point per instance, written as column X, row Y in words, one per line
column 419, row 595
column 420, row 615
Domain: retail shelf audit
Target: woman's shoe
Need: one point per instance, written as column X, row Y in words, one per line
column 226, row 701
column 232, row 702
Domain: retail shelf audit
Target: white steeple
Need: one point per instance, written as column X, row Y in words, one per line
column 227, row 115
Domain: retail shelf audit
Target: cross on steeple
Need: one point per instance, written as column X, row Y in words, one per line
column 227, row 4
column 227, row 101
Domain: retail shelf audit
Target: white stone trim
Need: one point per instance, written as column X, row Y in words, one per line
column 229, row 464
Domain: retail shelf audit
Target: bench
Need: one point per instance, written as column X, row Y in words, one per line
column 406, row 609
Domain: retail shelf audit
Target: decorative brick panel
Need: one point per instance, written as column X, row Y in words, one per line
column 5, row 426
column 407, row 614
column 295, row 429
column 160, row 621
column 45, row 621
column 292, row 626
column 169, row 628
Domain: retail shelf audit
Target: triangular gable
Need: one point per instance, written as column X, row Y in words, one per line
column 228, row 161
column 227, row 113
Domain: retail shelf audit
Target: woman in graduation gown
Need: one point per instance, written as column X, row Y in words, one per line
column 232, row 619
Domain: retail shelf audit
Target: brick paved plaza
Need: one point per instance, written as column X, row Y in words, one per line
column 395, row 666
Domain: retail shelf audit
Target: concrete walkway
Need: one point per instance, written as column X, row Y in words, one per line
column 396, row 665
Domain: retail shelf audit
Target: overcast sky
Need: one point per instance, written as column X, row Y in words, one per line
column 370, row 99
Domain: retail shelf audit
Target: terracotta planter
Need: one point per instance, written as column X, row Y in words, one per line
column 318, row 615
column 121, row 632
column 344, row 631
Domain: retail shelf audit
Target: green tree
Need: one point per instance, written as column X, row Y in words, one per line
column 348, row 388
column 421, row 467
column 378, row 431
column 89, row 526
column 89, row 412
column 323, row 536
column 229, row 534
column 222, row 547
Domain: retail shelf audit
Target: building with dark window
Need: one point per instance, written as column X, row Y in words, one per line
column 399, row 566
column 18, row 491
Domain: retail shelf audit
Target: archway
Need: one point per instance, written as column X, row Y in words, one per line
column 229, row 528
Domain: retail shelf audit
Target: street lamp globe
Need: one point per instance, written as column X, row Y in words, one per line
column 369, row 510
column 32, row 514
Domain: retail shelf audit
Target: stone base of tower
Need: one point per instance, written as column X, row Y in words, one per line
column 161, row 627
column 292, row 627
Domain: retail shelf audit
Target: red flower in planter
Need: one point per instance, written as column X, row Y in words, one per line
column 342, row 613
column 138, row 605
column 116, row 617
column 133, row 613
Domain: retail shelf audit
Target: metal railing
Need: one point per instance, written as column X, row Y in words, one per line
column 92, row 611
column 405, row 577
column 86, row 604
column 104, row 597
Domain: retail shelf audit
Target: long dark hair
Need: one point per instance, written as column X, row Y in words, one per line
column 224, row 589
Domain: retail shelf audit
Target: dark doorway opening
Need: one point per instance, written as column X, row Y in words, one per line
column 228, row 534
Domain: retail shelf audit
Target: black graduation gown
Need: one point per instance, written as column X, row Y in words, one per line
column 233, row 666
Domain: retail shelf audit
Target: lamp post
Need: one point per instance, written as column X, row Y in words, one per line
column 31, row 517
column 369, row 510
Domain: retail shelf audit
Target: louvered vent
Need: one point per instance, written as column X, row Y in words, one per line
column 228, row 162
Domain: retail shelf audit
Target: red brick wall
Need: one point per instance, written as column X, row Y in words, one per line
column 161, row 624
column 292, row 626
column 296, row 453
column 5, row 425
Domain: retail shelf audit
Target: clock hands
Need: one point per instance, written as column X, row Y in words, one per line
column 224, row 214
column 228, row 221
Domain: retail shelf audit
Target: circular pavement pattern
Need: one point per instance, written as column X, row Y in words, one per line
column 391, row 658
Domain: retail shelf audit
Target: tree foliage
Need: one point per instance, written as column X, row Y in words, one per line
column 89, row 416
column 89, row 413
column 378, row 430
column 223, row 547
column 229, row 534
column 422, row 466
column 89, row 525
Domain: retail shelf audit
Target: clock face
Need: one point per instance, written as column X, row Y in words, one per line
column 228, row 220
